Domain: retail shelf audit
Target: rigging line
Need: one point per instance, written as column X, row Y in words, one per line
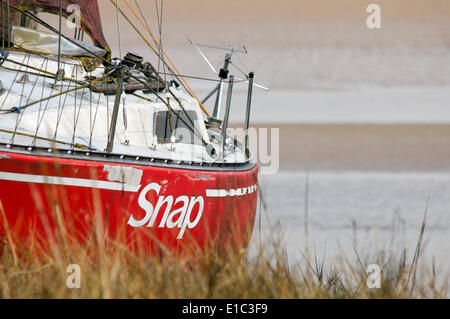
column 118, row 29
column 160, row 38
column 144, row 132
column 77, row 145
column 165, row 124
column 107, row 115
column 90, row 110
column 257, row 83
column 12, row 84
column 59, row 109
column 194, row 129
column 229, row 48
column 61, row 93
column 27, row 66
column 45, row 99
column 159, row 30
column 243, row 62
column 78, row 115
column 9, row 25
column 39, row 118
column 75, row 108
column 199, row 135
column 3, row 26
column 75, row 97
column 157, row 95
column 34, row 84
column 28, row 100
column 178, row 75
column 30, row 93
column 52, row 96
column 239, row 69
column 159, row 19
column 60, row 114
column 45, row 76
column 142, row 15
column 19, row 115
column 203, row 56
column 176, row 122
column 151, row 47
column 95, row 119
column 143, row 37
column 205, row 79
column 45, row 109
column 133, row 26
column 24, row 78
column 59, row 35
column 145, row 40
column 182, row 107
column 154, row 92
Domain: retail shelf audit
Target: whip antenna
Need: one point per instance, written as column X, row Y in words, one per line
column 203, row 55
column 231, row 52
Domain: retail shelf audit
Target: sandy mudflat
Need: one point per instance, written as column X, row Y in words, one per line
column 293, row 43
column 365, row 147
column 298, row 43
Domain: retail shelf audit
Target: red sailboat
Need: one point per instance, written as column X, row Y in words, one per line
column 86, row 140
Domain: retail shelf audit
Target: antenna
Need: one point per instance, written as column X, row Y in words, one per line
column 240, row 49
column 203, row 55
column 214, row 120
column 231, row 51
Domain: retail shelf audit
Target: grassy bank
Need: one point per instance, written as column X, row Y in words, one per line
column 112, row 272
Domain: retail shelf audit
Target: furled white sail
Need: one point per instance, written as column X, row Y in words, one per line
column 48, row 43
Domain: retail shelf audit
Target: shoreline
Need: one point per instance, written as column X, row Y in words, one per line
column 364, row 147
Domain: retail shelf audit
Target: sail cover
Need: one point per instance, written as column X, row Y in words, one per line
column 48, row 43
column 89, row 15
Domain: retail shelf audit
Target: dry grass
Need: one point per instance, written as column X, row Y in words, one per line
column 109, row 270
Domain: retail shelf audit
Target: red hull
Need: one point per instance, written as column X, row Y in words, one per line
column 144, row 206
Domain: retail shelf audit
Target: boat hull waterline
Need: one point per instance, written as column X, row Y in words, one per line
column 146, row 207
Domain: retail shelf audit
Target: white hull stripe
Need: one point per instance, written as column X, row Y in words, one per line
column 231, row 192
column 68, row 181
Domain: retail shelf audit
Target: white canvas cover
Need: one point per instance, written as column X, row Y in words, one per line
column 47, row 43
